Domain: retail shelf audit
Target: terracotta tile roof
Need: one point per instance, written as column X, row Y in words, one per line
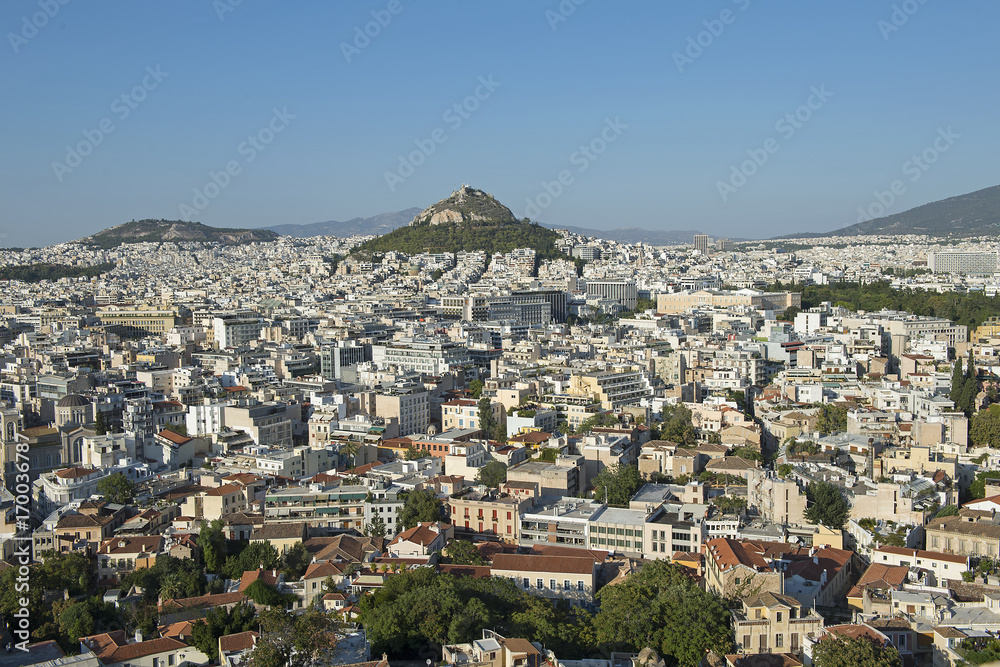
column 74, row 473
column 176, row 630
column 111, row 647
column 133, row 544
column 420, row 534
column 210, row 600
column 572, row 552
column 241, row 641
column 471, row 571
column 173, row 437
column 279, row 531
column 223, row 490
column 919, row 553
column 539, row 563
column 853, row 631
column 269, row 577
column 324, row 570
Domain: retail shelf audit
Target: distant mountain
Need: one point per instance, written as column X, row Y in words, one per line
column 634, row 234
column 468, row 220
column 973, row 214
column 377, row 224
column 159, row 231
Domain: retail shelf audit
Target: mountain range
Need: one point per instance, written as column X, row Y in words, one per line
column 972, row 214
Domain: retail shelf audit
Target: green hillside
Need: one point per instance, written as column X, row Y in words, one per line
column 175, row 231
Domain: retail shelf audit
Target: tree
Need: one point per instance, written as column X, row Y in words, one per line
column 832, row 418
column 836, row 651
column 661, row 606
column 421, row 506
column 220, row 622
column 827, row 505
column 977, row 488
column 255, row 556
column 100, row 424
column 295, row 561
column 412, row 453
column 289, row 640
column 476, row 388
column 784, row 470
column 493, row 474
column 351, row 449
column 947, row 510
column 957, row 382
column 180, row 429
column 376, row 527
column 615, row 485
column 677, row 425
column 264, row 594
column 488, row 423
column 600, row 419
column 984, row 429
column 212, row 543
column 463, row 552
column 117, row 488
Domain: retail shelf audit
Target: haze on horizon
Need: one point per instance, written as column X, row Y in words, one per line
column 258, row 113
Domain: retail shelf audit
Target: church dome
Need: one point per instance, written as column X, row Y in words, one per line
column 73, row 401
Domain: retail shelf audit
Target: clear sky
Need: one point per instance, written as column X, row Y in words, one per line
column 116, row 110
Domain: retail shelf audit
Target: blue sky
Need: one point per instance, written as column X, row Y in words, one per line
column 257, row 112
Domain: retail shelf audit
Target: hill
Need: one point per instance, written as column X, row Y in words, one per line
column 467, row 220
column 973, row 214
column 376, row 224
column 160, row 231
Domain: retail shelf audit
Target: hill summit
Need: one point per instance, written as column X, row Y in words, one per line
column 467, row 204
column 162, row 231
column 469, row 220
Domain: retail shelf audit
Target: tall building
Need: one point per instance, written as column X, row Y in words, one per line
column 970, row 263
column 624, row 291
column 701, row 243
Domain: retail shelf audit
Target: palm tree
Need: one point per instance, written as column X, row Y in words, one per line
column 351, row 449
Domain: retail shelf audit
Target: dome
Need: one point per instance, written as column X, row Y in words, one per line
column 72, row 401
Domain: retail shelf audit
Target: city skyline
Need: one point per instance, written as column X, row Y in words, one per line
column 738, row 119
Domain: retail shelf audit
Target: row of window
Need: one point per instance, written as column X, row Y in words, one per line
column 540, row 584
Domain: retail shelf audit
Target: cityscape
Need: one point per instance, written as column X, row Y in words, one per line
column 279, row 389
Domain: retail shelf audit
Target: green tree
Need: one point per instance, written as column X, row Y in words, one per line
column 100, row 424
column 677, row 425
column 598, row 420
column 984, row 428
column 826, row 505
column 488, row 423
column 493, row 474
column 836, row 651
column 662, row 607
column 784, row 470
column 376, row 527
column 412, row 453
column 947, row 510
column 265, row 594
column 220, row 622
column 615, row 485
column 832, row 418
column 351, row 449
column 117, row 488
column 421, row 506
column 253, row 557
column 212, row 543
column 977, row 488
column 292, row 640
column 476, row 388
column 295, row 561
column 957, row 382
column 463, row 552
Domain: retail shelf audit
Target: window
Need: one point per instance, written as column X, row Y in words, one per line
column 527, row 584
column 779, row 621
column 579, row 585
column 552, row 584
column 566, row 585
column 746, row 641
column 171, row 659
column 778, row 640
column 541, row 585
